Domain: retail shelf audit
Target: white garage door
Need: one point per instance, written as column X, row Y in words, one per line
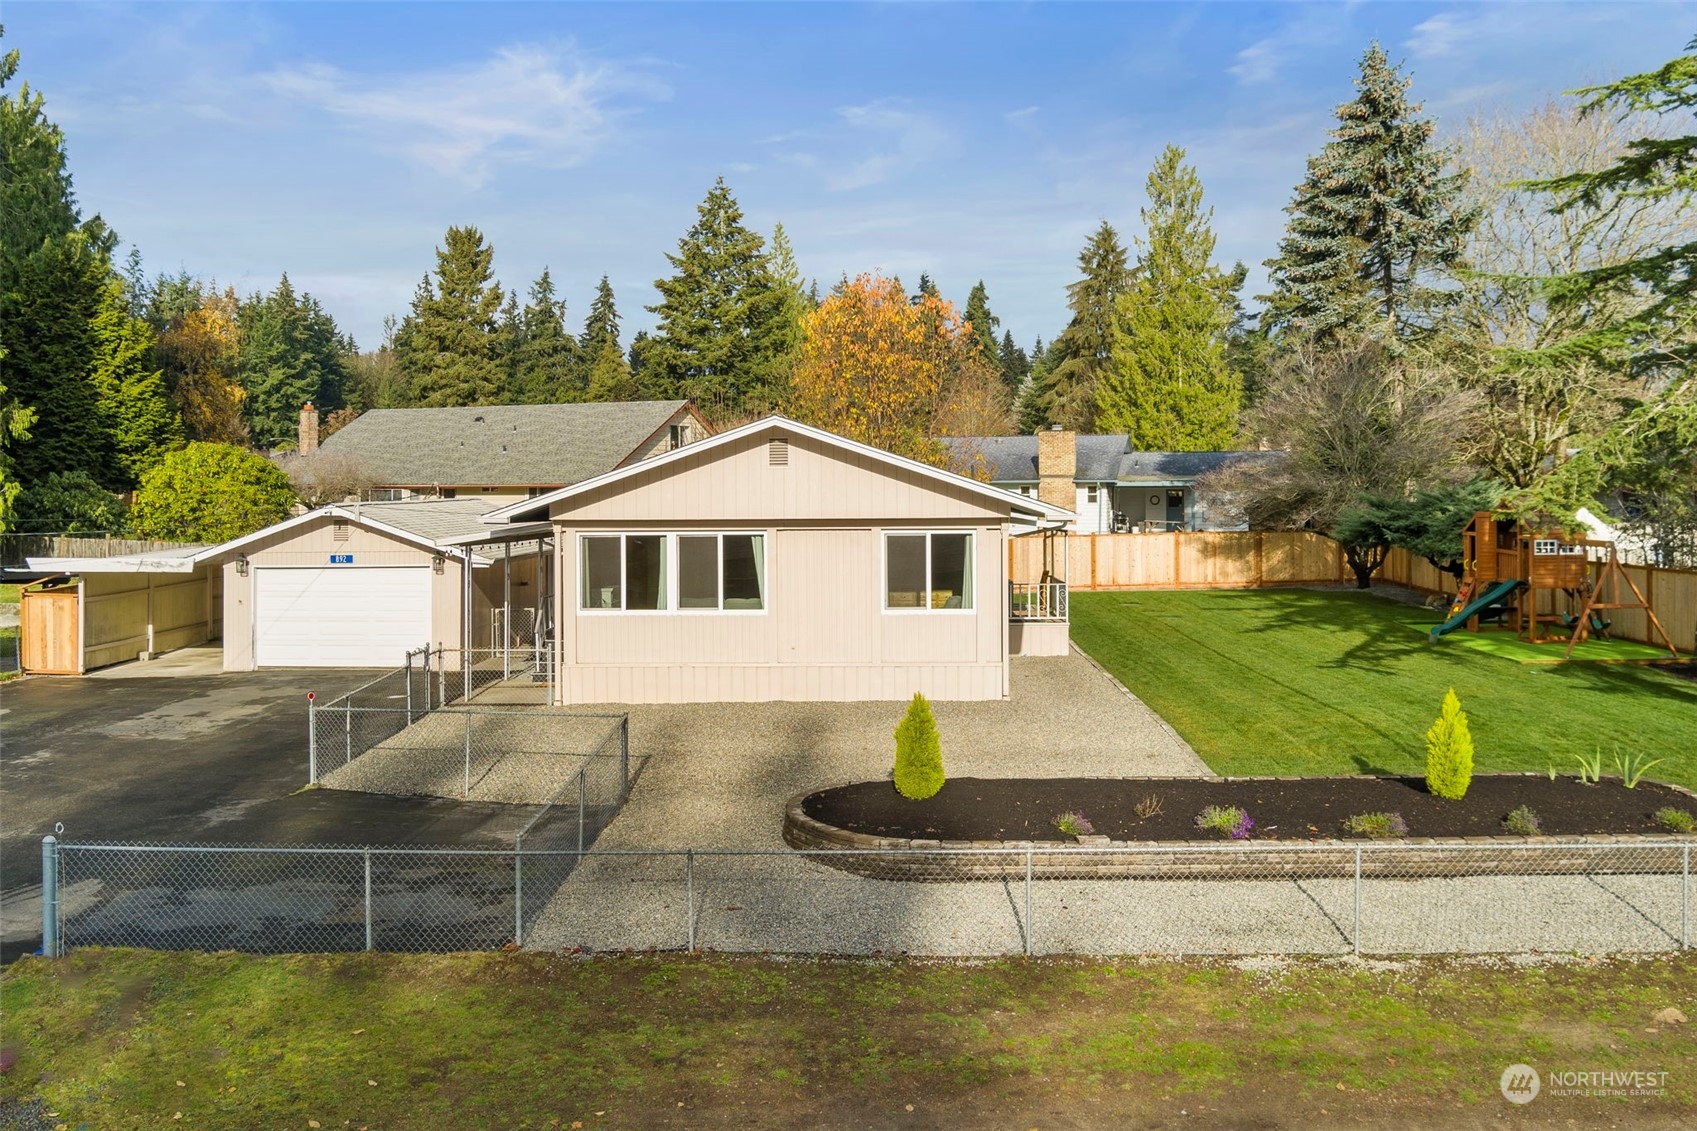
column 340, row 617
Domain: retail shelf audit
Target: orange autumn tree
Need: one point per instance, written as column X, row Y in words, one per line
column 888, row 372
column 199, row 352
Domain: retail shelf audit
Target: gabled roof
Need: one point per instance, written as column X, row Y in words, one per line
column 1019, row 505
column 430, row 523
column 541, row 445
column 1177, row 467
column 1013, row 459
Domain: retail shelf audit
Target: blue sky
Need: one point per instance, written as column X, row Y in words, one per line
column 337, row 142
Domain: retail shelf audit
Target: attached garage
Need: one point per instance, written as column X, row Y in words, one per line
column 340, row 616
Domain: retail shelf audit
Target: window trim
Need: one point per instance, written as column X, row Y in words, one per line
column 674, row 573
column 925, row 608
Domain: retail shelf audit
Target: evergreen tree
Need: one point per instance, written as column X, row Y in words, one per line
column 548, row 366
column 793, row 307
column 1374, row 215
column 927, row 289
column 982, row 322
column 721, row 332
column 610, row 376
column 1028, row 404
column 291, row 353
column 600, row 329
column 446, row 347
column 1015, row 365
column 136, row 411
column 1169, row 386
column 1084, row 350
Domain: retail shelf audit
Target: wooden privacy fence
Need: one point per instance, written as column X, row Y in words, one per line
column 1249, row 560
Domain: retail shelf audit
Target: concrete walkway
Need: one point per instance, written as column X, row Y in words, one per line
column 717, row 775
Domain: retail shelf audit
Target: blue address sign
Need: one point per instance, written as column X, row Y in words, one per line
column 341, row 559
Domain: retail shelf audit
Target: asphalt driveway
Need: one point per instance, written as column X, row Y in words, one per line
column 204, row 758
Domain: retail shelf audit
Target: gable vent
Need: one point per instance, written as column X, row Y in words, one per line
column 339, row 531
column 778, row 453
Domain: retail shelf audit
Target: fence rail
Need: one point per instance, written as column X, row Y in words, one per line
column 548, row 893
column 1254, row 559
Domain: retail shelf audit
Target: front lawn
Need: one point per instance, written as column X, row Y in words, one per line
column 123, row 1039
column 1297, row 681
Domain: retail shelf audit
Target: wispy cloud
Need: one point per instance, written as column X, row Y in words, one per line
column 1314, row 25
column 887, row 136
column 524, row 104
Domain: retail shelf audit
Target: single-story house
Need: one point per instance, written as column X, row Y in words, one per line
column 1109, row 486
column 499, row 453
column 777, row 561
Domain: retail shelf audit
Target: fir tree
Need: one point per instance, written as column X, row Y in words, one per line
column 1013, row 362
column 136, row 410
column 291, row 353
column 1084, row 350
column 793, row 307
column 1374, row 215
column 983, row 323
column 446, row 348
column 548, row 366
column 927, row 289
column 600, row 327
column 721, row 330
column 610, row 376
column 1169, row 386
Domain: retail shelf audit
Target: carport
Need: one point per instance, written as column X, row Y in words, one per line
column 91, row 612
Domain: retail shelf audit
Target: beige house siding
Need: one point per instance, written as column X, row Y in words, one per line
column 661, row 441
column 824, row 634
column 126, row 614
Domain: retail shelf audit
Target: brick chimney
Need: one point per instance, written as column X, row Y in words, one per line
column 309, row 430
column 1057, row 465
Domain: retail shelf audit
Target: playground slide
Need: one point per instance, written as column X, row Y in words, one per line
column 1485, row 600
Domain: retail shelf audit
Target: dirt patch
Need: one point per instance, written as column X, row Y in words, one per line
column 1283, row 809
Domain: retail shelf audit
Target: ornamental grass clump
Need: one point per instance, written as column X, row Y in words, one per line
column 1675, row 820
column 919, row 752
column 1075, row 823
column 1226, row 820
column 1522, row 821
column 1378, row 826
column 1449, row 752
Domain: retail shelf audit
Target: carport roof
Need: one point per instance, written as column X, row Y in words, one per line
column 178, row 559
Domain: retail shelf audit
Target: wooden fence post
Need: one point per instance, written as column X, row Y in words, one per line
column 1260, row 559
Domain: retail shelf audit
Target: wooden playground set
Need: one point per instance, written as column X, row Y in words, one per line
column 1547, row 588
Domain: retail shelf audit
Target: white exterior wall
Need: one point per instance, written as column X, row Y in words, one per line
column 824, row 634
column 1093, row 517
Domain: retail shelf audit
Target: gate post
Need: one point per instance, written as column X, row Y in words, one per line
column 311, row 738
column 1029, row 941
column 1685, row 898
column 689, row 895
column 409, row 688
column 50, row 897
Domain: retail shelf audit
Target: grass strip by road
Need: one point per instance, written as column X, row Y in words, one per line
column 120, row 1039
column 1297, row 681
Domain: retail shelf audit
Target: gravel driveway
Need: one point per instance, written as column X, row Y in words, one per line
column 717, row 775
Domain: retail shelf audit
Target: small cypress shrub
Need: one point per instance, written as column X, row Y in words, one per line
column 919, row 752
column 1449, row 752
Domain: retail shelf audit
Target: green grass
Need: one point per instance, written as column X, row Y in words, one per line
column 122, row 1039
column 1295, row 681
column 9, row 594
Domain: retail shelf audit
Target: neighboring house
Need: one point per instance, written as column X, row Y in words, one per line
column 777, row 561
column 1101, row 479
column 500, row 453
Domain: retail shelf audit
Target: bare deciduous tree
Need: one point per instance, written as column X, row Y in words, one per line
column 1536, row 398
column 322, row 478
column 1352, row 420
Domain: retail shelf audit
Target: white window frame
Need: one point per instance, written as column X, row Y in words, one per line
column 674, row 573
column 924, row 608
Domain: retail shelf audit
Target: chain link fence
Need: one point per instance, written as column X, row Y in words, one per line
column 548, row 893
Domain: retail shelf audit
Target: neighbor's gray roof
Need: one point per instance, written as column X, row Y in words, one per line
column 1173, row 467
column 547, row 445
column 1013, row 459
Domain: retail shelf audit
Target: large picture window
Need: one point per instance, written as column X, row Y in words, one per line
column 631, row 572
column 927, row 571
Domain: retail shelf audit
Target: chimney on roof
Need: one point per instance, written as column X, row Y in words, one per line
column 1057, row 466
column 308, row 430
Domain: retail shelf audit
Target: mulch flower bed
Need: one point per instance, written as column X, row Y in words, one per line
column 1283, row 809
